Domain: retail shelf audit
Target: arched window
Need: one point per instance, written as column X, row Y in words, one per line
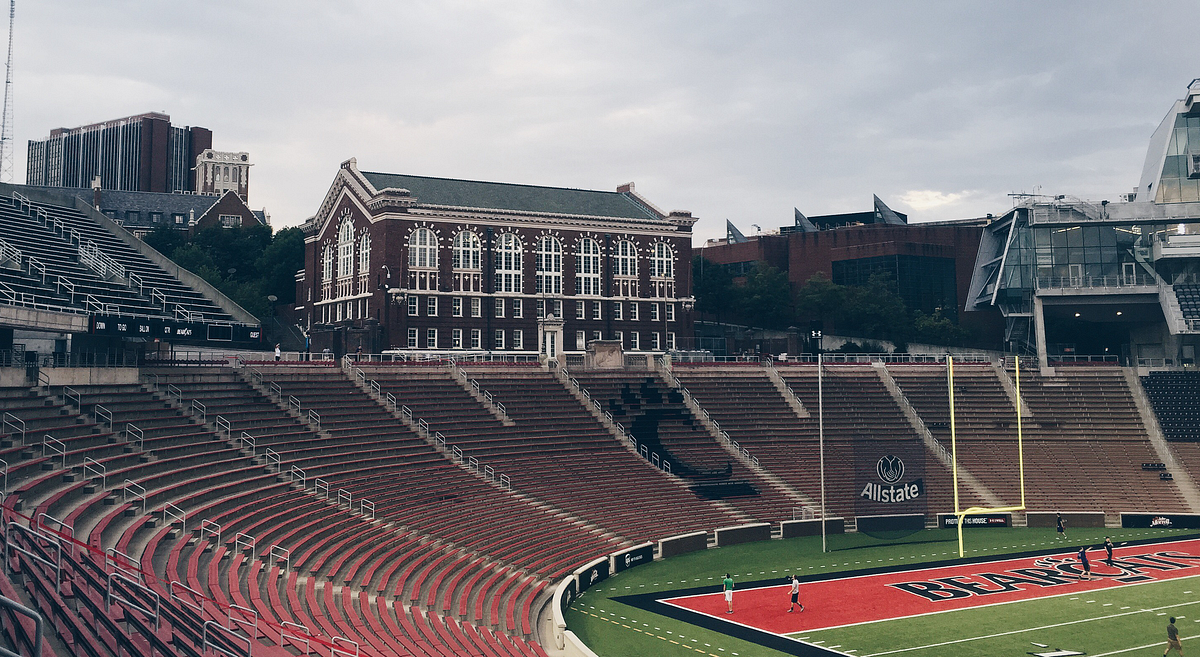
column 345, row 249
column 422, row 249
column 466, row 251
column 364, row 254
column 587, row 277
column 662, row 264
column 327, row 263
column 625, row 269
column 508, row 263
column 625, row 263
column 549, row 265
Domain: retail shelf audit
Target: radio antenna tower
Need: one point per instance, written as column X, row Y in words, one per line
column 6, row 123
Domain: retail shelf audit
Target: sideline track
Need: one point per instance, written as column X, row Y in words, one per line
column 891, row 592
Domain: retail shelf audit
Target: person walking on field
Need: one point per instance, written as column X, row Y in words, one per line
column 795, row 594
column 1087, row 566
column 1173, row 639
column 1059, row 526
column 1108, row 547
column 728, row 584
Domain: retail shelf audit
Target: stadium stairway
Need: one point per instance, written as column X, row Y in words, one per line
column 153, row 278
column 560, row 454
column 656, row 415
column 532, row 543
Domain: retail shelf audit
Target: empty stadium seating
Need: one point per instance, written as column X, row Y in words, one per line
column 658, row 418
column 239, row 492
column 41, row 264
column 1188, row 296
column 1175, row 397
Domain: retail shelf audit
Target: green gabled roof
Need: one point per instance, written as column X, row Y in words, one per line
column 518, row 198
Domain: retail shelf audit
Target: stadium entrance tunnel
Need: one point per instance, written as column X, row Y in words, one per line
column 1103, row 328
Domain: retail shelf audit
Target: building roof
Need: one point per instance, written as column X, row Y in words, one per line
column 513, row 197
column 168, row 204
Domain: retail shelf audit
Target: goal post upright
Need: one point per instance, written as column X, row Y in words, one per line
column 961, row 513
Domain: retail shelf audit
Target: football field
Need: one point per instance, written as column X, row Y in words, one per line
column 1018, row 593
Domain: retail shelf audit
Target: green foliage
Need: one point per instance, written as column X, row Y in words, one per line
column 246, row 264
column 712, row 285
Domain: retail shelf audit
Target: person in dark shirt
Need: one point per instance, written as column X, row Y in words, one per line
column 1059, row 526
column 1173, row 639
column 1087, row 566
column 1108, row 547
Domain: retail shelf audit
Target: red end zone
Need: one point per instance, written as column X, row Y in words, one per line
column 848, row 601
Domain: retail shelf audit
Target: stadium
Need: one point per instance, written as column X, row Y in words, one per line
column 496, row 443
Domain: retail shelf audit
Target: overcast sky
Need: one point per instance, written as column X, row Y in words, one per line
column 739, row 110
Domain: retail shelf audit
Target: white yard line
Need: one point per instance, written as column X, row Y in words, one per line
column 1034, row 629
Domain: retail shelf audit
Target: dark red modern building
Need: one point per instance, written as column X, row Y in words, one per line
column 930, row 264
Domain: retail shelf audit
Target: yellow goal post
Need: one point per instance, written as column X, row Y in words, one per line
column 959, row 512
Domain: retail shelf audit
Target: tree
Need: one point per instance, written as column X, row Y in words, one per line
column 766, row 298
column 247, row 264
column 712, row 286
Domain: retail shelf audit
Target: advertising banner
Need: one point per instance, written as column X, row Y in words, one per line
column 596, row 571
column 983, row 520
column 169, row 330
column 889, row 477
column 634, row 556
column 1171, row 520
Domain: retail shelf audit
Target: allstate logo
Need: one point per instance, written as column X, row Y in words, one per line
column 890, row 469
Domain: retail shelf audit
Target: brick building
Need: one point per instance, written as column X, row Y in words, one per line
column 425, row 264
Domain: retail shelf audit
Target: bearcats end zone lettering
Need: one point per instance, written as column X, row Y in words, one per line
column 1047, row 572
column 887, row 594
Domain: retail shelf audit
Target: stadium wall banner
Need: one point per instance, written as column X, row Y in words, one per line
column 637, row 555
column 594, row 572
column 893, row 522
column 794, row 528
column 682, row 544
column 1070, row 518
column 168, row 329
column 889, row 477
column 1171, row 520
column 982, row 520
column 748, row 533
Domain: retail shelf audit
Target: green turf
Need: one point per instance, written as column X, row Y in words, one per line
column 612, row 629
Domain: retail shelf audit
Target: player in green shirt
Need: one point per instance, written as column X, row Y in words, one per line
column 728, row 583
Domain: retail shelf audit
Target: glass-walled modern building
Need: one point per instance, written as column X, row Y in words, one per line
column 1116, row 281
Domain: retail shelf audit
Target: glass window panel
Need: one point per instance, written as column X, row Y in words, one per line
column 1075, row 237
column 1058, row 237
column 1170, row 190
column 1041, row 237
column 1108, row 236
column 1091, row 236
column 1189, row 190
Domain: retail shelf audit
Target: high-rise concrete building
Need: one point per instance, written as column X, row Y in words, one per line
column 137, row 153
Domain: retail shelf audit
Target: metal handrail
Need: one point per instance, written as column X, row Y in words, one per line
column 16, row 423
column 38, row 626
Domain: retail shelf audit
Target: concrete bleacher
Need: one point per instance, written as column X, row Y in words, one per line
column 1081, row 431
column 657, row 416
column 595, row 477
column 56, row 258
column 446, row 561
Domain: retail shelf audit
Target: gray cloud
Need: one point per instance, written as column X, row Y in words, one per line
column 729, row 109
